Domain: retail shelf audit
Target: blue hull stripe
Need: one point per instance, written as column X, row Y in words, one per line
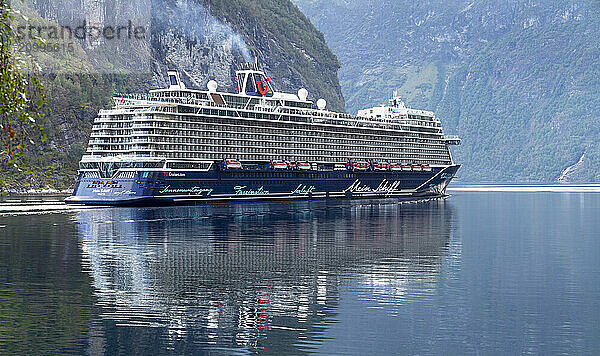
column 179, row 187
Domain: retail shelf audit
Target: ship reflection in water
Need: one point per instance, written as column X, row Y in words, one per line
column 257, row 276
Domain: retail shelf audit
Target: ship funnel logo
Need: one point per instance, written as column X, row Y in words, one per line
column 260, row 87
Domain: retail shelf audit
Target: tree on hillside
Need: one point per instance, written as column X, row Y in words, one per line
column 21, row 95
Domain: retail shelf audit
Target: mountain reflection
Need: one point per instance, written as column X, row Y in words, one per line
column 250, row 277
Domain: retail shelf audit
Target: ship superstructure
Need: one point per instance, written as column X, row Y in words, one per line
column 179, row 145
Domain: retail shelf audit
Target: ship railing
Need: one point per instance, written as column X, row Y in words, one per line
column 99, row 141
column 109, row 119
column 128, row 100
column 140, row 140
column 141, row 126
column 125, row 101
column 139, row 117
column 110, row 127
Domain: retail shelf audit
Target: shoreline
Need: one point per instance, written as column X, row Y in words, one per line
column 24, row 198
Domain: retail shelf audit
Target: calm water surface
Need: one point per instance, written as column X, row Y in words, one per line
column 479, row 273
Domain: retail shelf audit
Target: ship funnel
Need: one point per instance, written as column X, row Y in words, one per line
column 396, row 101
column 249, row 66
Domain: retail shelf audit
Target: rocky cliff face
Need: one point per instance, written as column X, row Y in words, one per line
column 291, row 50
column 187, row 37
column 517, row 80
column 208, row 40
column 203, row 39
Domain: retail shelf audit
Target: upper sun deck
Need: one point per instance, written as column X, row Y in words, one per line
column 255, row 96
column 396, row 110
column 251, row 83
column 254, row 89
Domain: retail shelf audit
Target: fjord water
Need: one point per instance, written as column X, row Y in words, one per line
column 478, row 273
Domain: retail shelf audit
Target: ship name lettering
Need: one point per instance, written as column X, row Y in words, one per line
column 125, row 192
column 190, row 191
column 388, row 187
column 358, row 187
column 385, row 186
column 303, row 190
column 240, row 190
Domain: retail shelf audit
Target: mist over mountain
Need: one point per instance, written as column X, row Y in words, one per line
column 518, row 80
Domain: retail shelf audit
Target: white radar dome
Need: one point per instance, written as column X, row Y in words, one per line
column 321, row 104
column 212, row 86
column 303, row 94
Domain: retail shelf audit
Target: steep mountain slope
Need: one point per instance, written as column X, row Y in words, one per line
column 517, row 80
column 203, row 39
column 207, row 39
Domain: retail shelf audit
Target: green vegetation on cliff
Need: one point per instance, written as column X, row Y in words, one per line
column 73, row 102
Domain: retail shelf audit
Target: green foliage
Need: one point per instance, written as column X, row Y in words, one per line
column 75, row 99
column 21, row 97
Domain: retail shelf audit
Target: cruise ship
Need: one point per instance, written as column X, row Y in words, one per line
column 178, row 146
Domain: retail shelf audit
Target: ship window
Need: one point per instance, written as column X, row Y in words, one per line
column 88, row 165
column 240, row 82
column 152, row 164
column 173, row 79
column 250, row 85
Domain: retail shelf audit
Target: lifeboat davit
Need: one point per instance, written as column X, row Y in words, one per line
column 381, row 166
column 305, row 166
column 279, row 165
column 232, row 164
column 360, row 165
